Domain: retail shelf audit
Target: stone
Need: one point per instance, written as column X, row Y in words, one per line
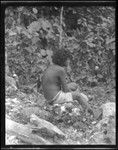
column 41, row 123
column 109, row 109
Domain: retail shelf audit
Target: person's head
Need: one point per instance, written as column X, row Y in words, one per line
column 60, row 57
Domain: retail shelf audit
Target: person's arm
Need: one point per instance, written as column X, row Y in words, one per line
column 62, row 76
column 87, row 107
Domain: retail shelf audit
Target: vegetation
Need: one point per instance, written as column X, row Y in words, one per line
column 88, row 32
column 33, row 34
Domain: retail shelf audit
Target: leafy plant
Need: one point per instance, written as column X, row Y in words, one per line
column 32, row 33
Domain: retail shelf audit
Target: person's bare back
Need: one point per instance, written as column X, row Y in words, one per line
column 53, row 80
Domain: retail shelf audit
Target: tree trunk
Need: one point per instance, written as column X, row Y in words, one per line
column 61, row 23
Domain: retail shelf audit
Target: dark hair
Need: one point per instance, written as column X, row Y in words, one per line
column 60, row 57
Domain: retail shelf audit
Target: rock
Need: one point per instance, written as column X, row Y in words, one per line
column 98, row 138
column 43, row 132
column 105, row 131
column 24, row 132
column 76, row 111
column 109, row 109
column 41, row 123
column 11, row 140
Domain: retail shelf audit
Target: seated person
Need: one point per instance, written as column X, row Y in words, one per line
column 54, row 82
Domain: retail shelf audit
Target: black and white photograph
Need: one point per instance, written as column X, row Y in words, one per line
column 60, row 76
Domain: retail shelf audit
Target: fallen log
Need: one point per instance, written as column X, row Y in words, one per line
column 24, row 132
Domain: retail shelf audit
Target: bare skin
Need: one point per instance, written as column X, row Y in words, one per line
column 54, row 80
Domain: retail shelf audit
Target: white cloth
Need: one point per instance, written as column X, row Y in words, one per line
column 62, row 97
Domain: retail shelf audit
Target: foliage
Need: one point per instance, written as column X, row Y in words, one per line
column 32, row 34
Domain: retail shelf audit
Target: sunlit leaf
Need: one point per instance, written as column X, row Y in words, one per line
column 35, row 10
column 43, row 52
column 11, row 33
column 34, row 26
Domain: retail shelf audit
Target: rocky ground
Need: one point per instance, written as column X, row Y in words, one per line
column 77, row 126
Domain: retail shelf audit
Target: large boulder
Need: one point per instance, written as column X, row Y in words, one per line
column 104, row 131
column 24, row 133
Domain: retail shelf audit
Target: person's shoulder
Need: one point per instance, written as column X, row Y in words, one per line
column 56, row 68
